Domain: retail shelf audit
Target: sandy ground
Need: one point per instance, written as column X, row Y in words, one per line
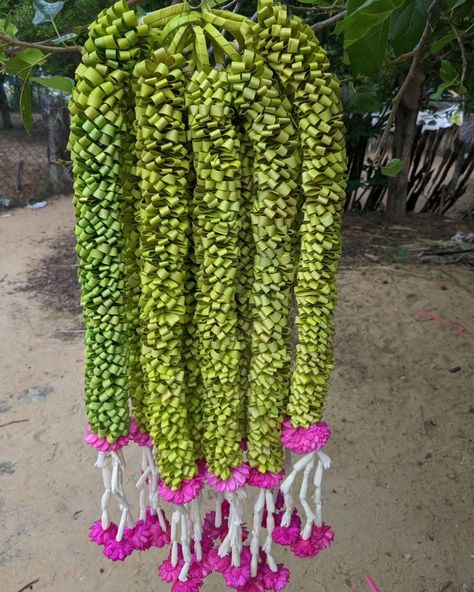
column 399, row 496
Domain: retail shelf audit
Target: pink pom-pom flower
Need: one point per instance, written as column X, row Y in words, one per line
column 321, row 538
column 169, row 573
column 102, row 444
column 159, row 538
column 188, row 490
column 140, row 535
column 267, row 480
column 118, row 551
column 139, row 437
column 275, row 581
column 237, row 479
column 237, row 577
column 287, row 535
column 100, row 536
column 190, row 585
column 253, row 585
column 304, row 440
column 216, row 562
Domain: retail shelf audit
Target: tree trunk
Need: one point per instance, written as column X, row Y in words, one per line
column 402, row 144
column 59, row 178
column 4, row 107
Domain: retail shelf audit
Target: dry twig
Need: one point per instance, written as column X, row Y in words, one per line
column 329, row 22
column 4, row 425
column 29, row 586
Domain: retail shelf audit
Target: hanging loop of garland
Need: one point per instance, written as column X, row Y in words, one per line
column 209, row 164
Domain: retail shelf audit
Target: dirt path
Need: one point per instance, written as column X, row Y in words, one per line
column 399, row 496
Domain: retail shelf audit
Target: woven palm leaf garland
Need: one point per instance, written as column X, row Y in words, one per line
column 209, row 164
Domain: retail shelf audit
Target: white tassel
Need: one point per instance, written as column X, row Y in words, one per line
column 267, row 546
column 233, row 540
column 142, row 485
column 324, row 463
column 196, row 520
column 306, row 532
column 175, row 519
column 318, row 478
column 153, row 493
column 257, row 525
column 185, row 543
column 103, row 463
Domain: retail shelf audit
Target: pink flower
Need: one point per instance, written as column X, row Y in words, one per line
column 280, row 501
column 217, row 563
column 189, row 489
column 266, row 480
column 206, row 543
column 190, row 585
column 324, row 534
column 140, row 536
column 199, row 569
column 102, row 444
column 237, row 479
column 287, row 535
column 159, row 538
column 100, row 536
column 211, row 530
column 321, row 538
column 118, row 551
column 253, row 585
column 275, row 581
column 304, row 440
column 167, row 572
column 236, row 577
column 139, row 437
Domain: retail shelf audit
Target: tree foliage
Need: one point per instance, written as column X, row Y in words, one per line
column 374, row 45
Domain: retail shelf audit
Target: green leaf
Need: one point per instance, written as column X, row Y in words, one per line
column 448, row 72
column 8, row 27
column 363, row 99
column 26, row 110
column 367, row 55
column 58, row 82
column 393, row 168
column 45, row 12
column 362, row 17
column 441, row 43
column 24, row 61
column 450, row 78
column 453, row 4
column 407, row 25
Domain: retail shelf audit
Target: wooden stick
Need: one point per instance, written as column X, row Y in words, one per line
column 329, row 22
column 4, row 425
column 30, row 585
column 11, row 42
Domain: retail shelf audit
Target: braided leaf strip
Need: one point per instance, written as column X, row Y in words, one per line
column 98, row 133
column 164, row 168
column 294, row 53
column 274, row 141
column 216, row 230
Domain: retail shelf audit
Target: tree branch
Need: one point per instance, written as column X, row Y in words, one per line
column 462, row 49
column 329, row 22
column 418, row 55
column 316, row 9
column 402, row 58
column 12, row 42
